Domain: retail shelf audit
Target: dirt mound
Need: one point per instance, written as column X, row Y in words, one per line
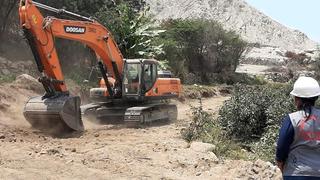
column 13, row 96
column 27, row 82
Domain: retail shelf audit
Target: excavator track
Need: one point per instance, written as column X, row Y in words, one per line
column 150, row 115
column 131, row 116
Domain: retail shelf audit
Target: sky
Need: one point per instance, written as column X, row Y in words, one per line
column 303, row 15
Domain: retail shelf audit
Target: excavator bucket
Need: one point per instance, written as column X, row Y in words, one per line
column 54, row 115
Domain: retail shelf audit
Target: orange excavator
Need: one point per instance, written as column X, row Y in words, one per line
column 131, row 90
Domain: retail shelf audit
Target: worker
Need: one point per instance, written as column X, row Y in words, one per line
column 298, row 147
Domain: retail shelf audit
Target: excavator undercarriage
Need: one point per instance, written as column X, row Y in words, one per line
column 131, row 114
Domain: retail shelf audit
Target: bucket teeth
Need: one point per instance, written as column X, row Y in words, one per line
column 58, row 114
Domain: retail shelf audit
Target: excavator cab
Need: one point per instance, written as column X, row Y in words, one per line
column 140, row 81
column 139, row 76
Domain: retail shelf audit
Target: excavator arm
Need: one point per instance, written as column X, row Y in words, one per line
column 41, row 32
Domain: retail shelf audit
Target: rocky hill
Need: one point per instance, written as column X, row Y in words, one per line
column 236, row 15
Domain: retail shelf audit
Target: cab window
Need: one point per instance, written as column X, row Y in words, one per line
column 132, row 79
column 149, row 76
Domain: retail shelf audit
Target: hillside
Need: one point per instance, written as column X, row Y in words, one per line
column 236, row 15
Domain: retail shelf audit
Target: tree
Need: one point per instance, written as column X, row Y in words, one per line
column 6, row 18
column 203, row 47
column 133, row 30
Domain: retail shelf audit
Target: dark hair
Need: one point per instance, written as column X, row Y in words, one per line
column 307, row 104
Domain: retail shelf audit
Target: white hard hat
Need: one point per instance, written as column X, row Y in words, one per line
column 306, row 87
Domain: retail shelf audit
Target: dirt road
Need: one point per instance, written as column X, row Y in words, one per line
column 113, row 152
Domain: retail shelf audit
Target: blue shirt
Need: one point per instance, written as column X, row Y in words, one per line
column 286, row 137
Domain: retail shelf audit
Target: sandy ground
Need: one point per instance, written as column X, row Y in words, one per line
column 112, row 152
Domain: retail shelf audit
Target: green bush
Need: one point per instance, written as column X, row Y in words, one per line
column 252, row 108
column 265, row 148
column 254, row 114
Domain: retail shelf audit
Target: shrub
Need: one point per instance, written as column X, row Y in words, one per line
column 301, row 58
column 252, row 108
column 265, row 147
column 254, row 115
column 243, row 115
column 198, row 126
column 204, row 127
